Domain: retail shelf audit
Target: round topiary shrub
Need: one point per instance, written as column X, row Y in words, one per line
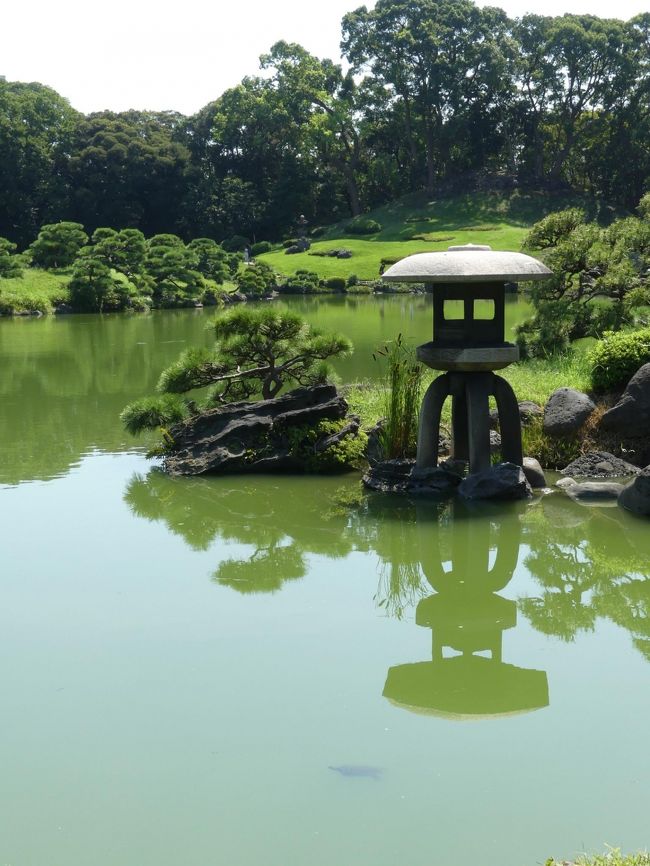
column 337, row 284
column 617, row 357
column 261, row 247
column 235, row 244
column 363, row 226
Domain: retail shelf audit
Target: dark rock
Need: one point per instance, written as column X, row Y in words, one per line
column 636, row 496
column 402, row 476
column 344, row 254
column 389, row 476
column 63, row 309
column 566, row 411
column 504, row 481
column 292, row 250
column 527, row 412
column 495, row 441
column 433, row 482
column 234, row 298
column 374, row 449
column 458, row 467
column 631, row 415
column 237, row 438
column 600, row 464
column 534, row 473
column 594, row 491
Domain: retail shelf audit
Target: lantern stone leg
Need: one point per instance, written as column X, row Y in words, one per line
column 509, row 422
column 478, row 387
column 429, row 430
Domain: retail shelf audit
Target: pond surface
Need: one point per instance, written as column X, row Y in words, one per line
column 281, row 671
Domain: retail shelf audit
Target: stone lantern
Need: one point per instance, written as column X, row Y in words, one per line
column 469, row 348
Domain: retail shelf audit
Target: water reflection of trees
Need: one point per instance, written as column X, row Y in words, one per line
column 589, row 562
column 279, row 522
column 65, row 381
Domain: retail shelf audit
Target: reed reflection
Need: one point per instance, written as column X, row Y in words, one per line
column 468, row 561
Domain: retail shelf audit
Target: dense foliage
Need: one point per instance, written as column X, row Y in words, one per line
column 437, row 93
column 600, row 282
column 257, row 352
column 617, row 357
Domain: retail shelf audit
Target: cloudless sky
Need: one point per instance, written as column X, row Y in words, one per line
column 180, row 55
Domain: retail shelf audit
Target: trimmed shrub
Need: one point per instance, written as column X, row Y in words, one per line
column 235, row 244
column 617, row 357
column 336, row 283
column 289, row 242
column 352, row 280
column 301, row 283
column 363, row 226
column 261, row 247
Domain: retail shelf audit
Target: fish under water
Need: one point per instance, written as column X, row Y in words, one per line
column 358, row 771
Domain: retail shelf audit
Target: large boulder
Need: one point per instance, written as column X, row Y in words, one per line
column 256, row 437
column 636, row 496
column 631, row 415
column 504, row 481
column 566, row 411
column 600, row 464
column 594, row 491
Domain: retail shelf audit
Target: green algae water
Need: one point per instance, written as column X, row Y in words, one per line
column 284, row 671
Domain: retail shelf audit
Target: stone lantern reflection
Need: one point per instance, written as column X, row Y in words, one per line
column 468, row 347
column 467, row 677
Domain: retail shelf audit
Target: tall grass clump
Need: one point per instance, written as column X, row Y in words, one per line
column 402, row 386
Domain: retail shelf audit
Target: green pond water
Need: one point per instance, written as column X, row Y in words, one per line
column 280, row 671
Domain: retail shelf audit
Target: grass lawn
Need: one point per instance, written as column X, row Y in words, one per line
column 414, row 224
column 35, row 290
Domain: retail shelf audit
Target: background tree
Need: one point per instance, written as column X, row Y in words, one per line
column 9, row 263
column 127, row 170
column 57, row 245
column 36, row 126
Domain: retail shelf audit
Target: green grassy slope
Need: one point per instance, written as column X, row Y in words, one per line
column 35, row 290
column 415, row 224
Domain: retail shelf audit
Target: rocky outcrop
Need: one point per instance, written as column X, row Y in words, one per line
column 631, row 415
column 636, row 496
column 566, row 411
column 505, row 481
column 257, row 437
column 600, row 464
column 402, row 476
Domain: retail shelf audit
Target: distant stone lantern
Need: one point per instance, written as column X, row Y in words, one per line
column 469, row 348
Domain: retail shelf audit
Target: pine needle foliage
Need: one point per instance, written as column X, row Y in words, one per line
column 258, row 351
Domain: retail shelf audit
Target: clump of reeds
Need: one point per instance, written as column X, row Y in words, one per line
column 402, row 382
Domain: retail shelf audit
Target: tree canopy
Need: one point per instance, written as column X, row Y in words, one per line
column 436, row 92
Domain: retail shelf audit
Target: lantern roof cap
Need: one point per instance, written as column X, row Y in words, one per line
column 472, row 263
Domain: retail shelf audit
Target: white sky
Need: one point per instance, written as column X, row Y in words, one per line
column 158, row 54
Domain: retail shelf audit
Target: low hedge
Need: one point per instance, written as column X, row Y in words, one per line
column 617, row 357
column 363, row 226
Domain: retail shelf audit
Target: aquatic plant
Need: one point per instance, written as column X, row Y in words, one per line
column 402, row 384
